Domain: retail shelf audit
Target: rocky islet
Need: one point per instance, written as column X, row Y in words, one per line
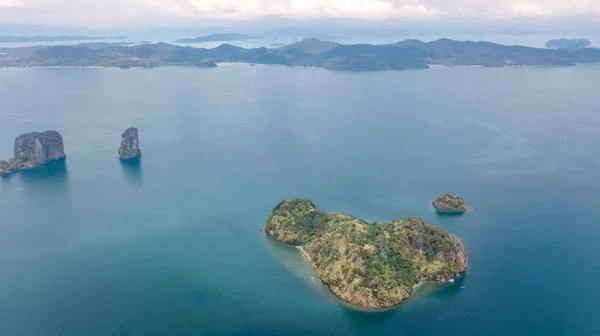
column 450, row 204
column 130, row 144
column 38, row 148
column 34, row 149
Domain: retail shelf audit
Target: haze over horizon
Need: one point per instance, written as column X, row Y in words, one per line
column 519, row 15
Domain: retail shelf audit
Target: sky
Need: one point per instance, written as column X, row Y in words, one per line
column 103, row 13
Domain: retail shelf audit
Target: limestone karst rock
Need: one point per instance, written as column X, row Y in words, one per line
column 130, row 145
column 34, row 149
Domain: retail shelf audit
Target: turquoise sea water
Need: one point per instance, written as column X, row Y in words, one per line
column 171, row 245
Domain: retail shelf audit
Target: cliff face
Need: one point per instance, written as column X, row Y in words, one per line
column 33, row 149
column 370, row 265
column 130, row 146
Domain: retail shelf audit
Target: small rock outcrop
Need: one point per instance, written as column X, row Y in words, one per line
column 447, row 203
column 130, row 144
column 34, row 149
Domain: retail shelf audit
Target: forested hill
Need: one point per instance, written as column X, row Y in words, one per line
column 409, row 54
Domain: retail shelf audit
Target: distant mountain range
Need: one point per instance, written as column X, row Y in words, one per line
column 10, row 38
column 217, row 38
column 408, row 54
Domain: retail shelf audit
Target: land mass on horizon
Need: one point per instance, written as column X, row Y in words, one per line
column 568, row 44
column 367, row 264
column 227, row 37
column 61, row 38
column 408, row 54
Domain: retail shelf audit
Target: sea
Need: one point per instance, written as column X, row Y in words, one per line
column 171, row 244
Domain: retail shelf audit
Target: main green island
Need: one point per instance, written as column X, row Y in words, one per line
column 368, row 265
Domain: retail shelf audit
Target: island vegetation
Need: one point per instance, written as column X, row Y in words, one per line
column 447, row 203
column 409, row 54
column 34, row 149
column 310, row 46
column 368, row 264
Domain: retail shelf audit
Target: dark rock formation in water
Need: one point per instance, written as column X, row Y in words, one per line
column 34, row 149
column 130, row 145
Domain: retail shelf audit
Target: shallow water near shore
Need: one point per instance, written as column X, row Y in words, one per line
column 305, row 271
column 171, row 243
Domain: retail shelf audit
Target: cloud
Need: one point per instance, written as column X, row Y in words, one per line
column 11, row 3
column 366, row 9
column 550, row 8
column 526, row 8
column 370, row 9
column 148, row 11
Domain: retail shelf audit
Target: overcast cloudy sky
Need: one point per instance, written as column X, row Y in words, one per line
column 144, row 12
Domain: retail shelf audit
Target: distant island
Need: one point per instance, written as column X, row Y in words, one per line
column 311, row 46
column 451, row 204
column 369, row 265
column 9, row 38
column 101, row 45
column 34, row 149
column 217, row 38
column 568, row 44
column 404, row 55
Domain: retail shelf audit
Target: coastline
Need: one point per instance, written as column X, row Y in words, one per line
column 30, row 167
column 100, row 67
column 450, row 212
column 307, row 258
column 232, row 64
column 442, row 211
column 329, row 291
column 349, row 304
column 63, row 67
